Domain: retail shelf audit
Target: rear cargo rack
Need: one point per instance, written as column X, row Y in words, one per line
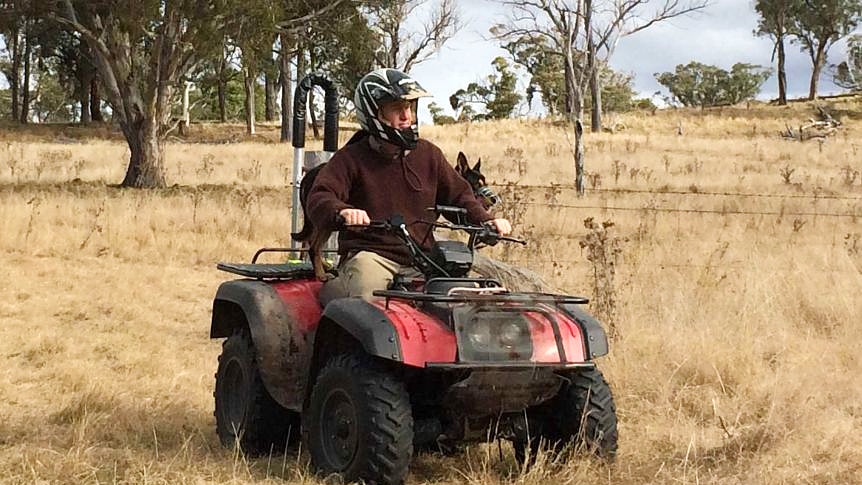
column 276, row 271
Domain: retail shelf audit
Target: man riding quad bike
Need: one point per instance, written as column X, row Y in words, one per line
column 436, row 360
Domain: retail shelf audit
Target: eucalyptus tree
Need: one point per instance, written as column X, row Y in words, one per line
column 581, row 32
column 403, row 49
column 20, row 23
column 584, row 35
column 292, row 30
column 254, row 33
column 142, row 51
column 496, row 94
column 776, row 21
column 10, row 29
column 818, row 26
column 848, row 74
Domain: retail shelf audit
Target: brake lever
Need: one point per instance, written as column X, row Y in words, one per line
column 491, row 236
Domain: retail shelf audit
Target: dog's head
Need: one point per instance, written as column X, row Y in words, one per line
column 476, row 179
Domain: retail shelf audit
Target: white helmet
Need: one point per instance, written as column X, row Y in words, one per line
column 383, row 86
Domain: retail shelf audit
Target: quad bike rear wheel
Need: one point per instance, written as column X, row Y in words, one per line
column 359, row 422
column 582, row 414
column 245, row 412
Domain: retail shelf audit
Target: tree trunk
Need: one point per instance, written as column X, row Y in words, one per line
column 573, row 94
column 579, row 154
column 16, row 75
column 222, row 101
column 96, row 100
column 146, row 163
column 286, row 93
column 84, row 79
column 222, row 89
column 25, row 87
column 248, row 82
column 595, row 92
column 782, row 73
column 569, row 76
column 271, row 87
column 819, row 60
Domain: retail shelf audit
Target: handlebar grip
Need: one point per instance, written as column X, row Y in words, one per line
column 450, row 209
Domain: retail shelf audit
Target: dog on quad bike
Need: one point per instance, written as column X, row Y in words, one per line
column 315, row 237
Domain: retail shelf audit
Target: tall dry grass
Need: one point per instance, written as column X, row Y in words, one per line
column 737, row 286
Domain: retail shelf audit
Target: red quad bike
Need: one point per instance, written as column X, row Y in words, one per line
column 431, row 362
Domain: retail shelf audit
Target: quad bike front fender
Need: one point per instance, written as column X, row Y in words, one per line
column 595, row 338
column 368, row 324
column 282, row 349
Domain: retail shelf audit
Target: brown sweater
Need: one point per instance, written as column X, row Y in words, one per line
column 361, row 178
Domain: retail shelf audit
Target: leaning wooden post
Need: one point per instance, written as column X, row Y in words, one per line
column 579, row 157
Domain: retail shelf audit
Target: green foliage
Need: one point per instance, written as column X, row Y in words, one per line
column 204, row 100
column 697, row 84
column 52, row 103
column 438, row 117
column 824, row 22
column 848, row 74
column 497, row 94
column 5, row 101
column 545, row 67
column 342, row 44
column 776, row 17
column 618, row 91
column 644, row 104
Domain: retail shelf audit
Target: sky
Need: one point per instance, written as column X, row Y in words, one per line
column 721, row 35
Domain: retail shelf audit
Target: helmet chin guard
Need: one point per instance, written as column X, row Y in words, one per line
column 384, row 86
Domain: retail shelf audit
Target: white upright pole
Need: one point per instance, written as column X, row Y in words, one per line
column 295, row 207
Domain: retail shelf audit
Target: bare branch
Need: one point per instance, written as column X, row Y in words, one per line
column 443, row 24
column 295, row 26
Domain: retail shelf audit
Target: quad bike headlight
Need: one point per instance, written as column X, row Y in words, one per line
column 493, row 335
column 479, row 335
column 511, row 334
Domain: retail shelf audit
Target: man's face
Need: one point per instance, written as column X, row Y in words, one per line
column 397, row 114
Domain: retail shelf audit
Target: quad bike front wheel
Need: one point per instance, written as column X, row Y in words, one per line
column 246, row 414
column 359, row 422
column 582, row 414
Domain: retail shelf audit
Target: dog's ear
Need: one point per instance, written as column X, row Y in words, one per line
column 478, row 167
column 463, row 166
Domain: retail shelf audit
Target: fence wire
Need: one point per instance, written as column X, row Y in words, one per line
column 723, row 212
column 815, row 196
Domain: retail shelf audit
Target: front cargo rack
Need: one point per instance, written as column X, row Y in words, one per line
column 518, row 297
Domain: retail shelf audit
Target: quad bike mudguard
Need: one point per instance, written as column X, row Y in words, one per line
column 282, row 318
column 283, row 347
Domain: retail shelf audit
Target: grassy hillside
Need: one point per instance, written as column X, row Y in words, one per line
column 734, row 296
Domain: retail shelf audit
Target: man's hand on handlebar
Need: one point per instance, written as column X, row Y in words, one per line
column 503, row 226
column 354, row 217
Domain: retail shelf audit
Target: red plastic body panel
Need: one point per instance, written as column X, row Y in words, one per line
column 424, row 339
column 302, row 296
column 544, row 344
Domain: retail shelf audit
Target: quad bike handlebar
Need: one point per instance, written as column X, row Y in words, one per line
column 485, row 233
column 479, row 235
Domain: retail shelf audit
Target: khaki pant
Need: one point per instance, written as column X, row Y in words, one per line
column 362, row 274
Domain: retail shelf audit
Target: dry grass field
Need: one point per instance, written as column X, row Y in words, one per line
column 736, row 297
